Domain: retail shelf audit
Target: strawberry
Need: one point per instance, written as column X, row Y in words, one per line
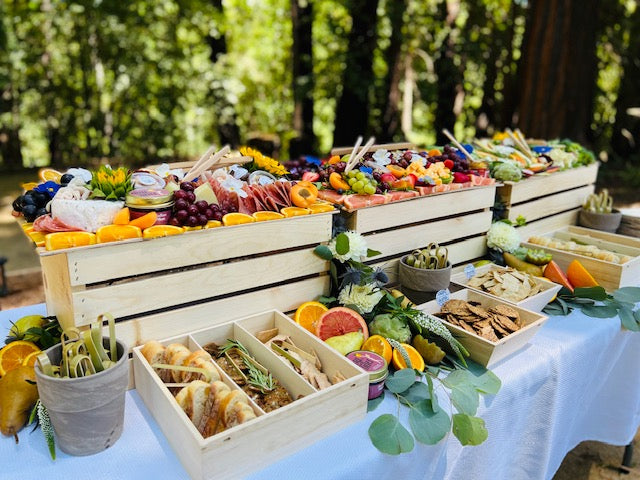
column 311, row 176
column 459, row 177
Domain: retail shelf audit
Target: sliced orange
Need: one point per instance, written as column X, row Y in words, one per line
column 145, row 221
column 29, row 185
column 417, row 362
column 116, row 233
column 27, row 227
column 237, row 219
column 379, row 345
column 580, row 276
column 265, row 216
column 49, row 174
column 397, row 171
column 294, row 211
column 161, row 231
column 191, row 229
column 37, row 238
column 30, row 360
column 58, row 240
column 308, row 314
column 337, row 182
column 434, row 152
column 321, row 207
column 213, row 224
column 13, row 354
column 122, row 217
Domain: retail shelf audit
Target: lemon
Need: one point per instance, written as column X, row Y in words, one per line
column 346, row 343
column 19, row 328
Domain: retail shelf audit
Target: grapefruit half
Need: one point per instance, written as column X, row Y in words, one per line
column 338, row 321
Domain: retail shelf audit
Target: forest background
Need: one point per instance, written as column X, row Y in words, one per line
column 137, row 82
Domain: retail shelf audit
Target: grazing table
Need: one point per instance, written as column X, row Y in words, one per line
column 578, row 379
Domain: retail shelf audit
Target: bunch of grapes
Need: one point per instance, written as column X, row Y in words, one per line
column 297, row 167
column 460, row 162
column 329, row 169
column 191, row 213
column 361, row 183
column 32, row 204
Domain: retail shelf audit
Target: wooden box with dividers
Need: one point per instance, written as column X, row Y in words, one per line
column 170, row 285
column 238, row 450
column 481, row 349
column 613, row 260
column 548, row 201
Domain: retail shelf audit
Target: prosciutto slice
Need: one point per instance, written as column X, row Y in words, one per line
column 47, row 224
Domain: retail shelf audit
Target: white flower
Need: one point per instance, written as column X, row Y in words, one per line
column 164, row 171
column 365, row 297
column 418, row 158
column 83, row 173
column 381, row 157
column 237, row 171
column 503, row 237
column 357, row 247
column 234, row 185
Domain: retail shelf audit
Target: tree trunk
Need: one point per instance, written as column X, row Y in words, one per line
column 303, row 81
column 352, row 110
column 626, row 130
column 558, row 72
column 390, row 92
column 449, row 75
column 228, row 131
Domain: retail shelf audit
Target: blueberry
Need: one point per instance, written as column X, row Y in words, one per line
column 65, row 179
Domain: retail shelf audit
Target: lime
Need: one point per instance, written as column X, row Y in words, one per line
column 480, row 263
column 346, row 343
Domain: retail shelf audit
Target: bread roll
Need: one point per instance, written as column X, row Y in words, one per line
column 176, row 354
column 206, row 364
column 210, row 423
column 155, row 352
column 193, row 398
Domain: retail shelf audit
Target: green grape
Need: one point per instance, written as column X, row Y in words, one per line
column 369, row 189
column 351, row 174
column 358, row 186
column 351, row 181
column 360, row 176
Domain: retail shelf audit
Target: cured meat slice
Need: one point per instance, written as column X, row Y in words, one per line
column 47, row 224
column 395, row 195
column 358, row 201
column 428, row 190
column 331, row 196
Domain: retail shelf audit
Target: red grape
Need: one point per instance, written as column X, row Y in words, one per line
column 193, row 210
column 191, row 197
column 175, row 222
column 202, row 219
column 179, row 194
column 209, row 213
column 202, row 205
column 181, row 204
column 187, row 186
column 181, row 215
column 192, row 221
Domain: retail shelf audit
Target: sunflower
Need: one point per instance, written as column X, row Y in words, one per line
column 262, row 162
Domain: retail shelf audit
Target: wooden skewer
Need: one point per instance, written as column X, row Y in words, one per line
column 193, row 173
column 524, row 142
column 353, row 161
column 456, row 143
column 519, row 144
column 353, row 152
column 202, row 159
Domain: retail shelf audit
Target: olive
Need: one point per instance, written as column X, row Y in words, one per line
column 65, row 179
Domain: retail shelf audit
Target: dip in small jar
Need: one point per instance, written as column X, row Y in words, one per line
column 144, row 200
column 376, row 366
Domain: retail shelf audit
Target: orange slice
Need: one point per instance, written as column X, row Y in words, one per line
column 49, row 174
column 308, row 314
column 37, row 238
column 29, row 185
column 294, row 211
column 30, row 360
column 379, row 345
column 337, row 182
column 213, row 224
column 27, row 227
column 161, row 231
column 265, row 216
column 116, row 233
column 237, row 219
column 122, row 217
column 13, row 354
column 397, row 171
column 417, row 362
column 191, row 229
column 579, row 276
column 145, row 221
column 56, row 241
column 321, row 207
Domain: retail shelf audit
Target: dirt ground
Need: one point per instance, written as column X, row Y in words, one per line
column 588, row 461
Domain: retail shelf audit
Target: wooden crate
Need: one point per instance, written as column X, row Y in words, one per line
column 134, row 278
column 457, row 219
column 535, row 303
column 610, row 275
column 484, row 351
column 253, row 445
column 543, row 196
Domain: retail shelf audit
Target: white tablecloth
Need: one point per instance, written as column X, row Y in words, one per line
column 577, row 380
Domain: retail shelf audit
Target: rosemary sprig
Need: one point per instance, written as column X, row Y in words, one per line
column 230, row 344
column 257, row 378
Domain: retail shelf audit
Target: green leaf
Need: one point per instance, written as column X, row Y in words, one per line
column 415, row 393
column 389, row 436
column 487, row 383
column 434, row 398
column 342, row 244
column 464, row 395
column 428, row 427
column 627, row 294
column 374, row 403
column 372, row 253
column 594, row 293
column 628, row 319
column 563, row 306
column 323, row 252
column 599, row 311
column 401, row 380
column 469, row 430
column 553, row 309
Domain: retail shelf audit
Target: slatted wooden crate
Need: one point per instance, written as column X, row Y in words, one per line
column 240, row 269
column 553, row 200
column 233, row 453
column 458, row 219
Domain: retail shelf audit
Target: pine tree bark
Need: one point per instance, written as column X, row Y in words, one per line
column 557, row 75
column 626, row 129
column 390, row 91
column 303, row 81
column 226, row 125
column 352, row 110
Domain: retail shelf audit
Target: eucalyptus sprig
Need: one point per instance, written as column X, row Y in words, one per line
column 596, row 302
column 428, row 421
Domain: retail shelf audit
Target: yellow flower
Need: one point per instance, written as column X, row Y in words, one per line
column 262, row 162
